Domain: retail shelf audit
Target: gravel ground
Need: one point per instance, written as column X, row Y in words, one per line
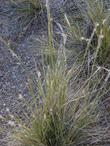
column 15, row 70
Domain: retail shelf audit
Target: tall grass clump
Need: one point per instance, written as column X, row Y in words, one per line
column 94, row 43
column 67, row 109
column 100, row 16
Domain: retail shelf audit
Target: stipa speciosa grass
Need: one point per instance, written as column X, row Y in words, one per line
column 96, row 41
column 31, row 5
column 100, row 15
column 96, row 10
column 67, row 108
column 66, row 112
column 28, row 11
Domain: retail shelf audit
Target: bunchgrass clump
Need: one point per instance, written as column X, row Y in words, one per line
column 65, row 111
column 27, row 10
column 100, row 16
column 95, row 42
column 62, row 115
column 30, row 6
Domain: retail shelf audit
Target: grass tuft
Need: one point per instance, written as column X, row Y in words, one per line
column 27, row 10
column 67, row 111
column 100, row 15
